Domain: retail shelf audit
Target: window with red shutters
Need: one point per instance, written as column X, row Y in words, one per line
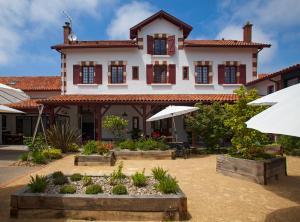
column 172, row 73
column 149, row 73
column 221, row 73
column 185, row 72
column 135, row 72
column 150, row 44
column 76, row 74
column 98, row 74
column 242, row 79
column 171, row 45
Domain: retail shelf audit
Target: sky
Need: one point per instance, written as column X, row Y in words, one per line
column 28, row 28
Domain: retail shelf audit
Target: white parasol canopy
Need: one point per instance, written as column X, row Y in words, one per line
column 6, row 109
column 278, row 96
column 11, row 95
column 282, row 118
column 172, row 111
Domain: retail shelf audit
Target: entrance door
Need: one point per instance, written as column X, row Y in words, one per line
column 88, row 126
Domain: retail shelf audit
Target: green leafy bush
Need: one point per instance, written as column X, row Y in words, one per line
column 59, row 178
column 150, row 144
column 38, row 157
column 38, row 145
column 116, row 125
column 68, row 189
column 87, row 180
column 52, row 153
column 127, row 144
column 57, row 174
column 63, row 136
column 90, row 147
column 119, row 189
column 38, row 184
column 290, row 144
column 24, row 156
column 76, row 177
column 117, row 175
column 168, row 185
column 73, row 147
column 93, row 189
column 139, row 179
column 159, row 173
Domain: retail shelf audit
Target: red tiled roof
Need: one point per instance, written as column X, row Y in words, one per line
column 25, row 105
column 262, row 75
column 161, row 14
column 33, row 83
column 224, row 43
column 280, row 72
column 143, row 98
column 98, row 44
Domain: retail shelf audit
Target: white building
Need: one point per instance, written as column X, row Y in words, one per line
column 156, row 67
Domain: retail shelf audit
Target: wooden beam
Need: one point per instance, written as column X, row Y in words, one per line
column 137, row 110
column 144, row 116
column 106, row 108
column 152, row 109
column 52, row 115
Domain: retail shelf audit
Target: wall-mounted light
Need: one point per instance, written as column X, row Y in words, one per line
column 124, row 114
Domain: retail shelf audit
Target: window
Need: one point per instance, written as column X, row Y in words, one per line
column 3, row 122
column 160, row 74
column 117, row 74
column 230, row 75
column 160, row 46
column 270, row 89
column 201, row 74
column 135, row 72
column 292, row 81
column 87, row 74
column 185, row 72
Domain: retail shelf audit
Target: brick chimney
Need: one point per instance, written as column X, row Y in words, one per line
column 67, row 32
column 247, row 32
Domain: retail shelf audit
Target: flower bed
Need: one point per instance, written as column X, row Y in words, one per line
column 111, row 197
column 259, row 171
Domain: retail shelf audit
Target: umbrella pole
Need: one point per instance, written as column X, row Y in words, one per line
column 175, row 131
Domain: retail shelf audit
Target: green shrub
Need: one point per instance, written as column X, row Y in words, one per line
column 24, row 156
column 168, row 185
column 57, row 174
column 127, row 144
column 116, row 125
column 159, row 173
column 52, row 153
column 90, row 147
column 73, row 147
column 117, row 175
column 38, row 145
column 290, row 144
column 76, row 177
column 119, row 189
column 87, row 180
column 39, row 158
column 93, row 189
column 60, row 180
column 68, row 189
column 62, row 136
column 103, row 148
column 139, row 179
column 38, row 184
column 150, row 144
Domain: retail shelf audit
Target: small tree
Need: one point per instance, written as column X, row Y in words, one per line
column 116, row 125
column 245, row 141
column 208, row 122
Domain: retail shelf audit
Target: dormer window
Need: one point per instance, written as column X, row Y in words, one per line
column 160, row 46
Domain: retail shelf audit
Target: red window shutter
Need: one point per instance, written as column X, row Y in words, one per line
column 98, row 74
column 171, row 45
column 76, row 74
column 172, row 73
column 150, row 44
column 221, row 74
column 242, row 79
column 124, row 73
column 149, row 73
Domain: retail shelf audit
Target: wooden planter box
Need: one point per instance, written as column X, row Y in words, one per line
column 261, row 172
column 98, row 207
column 151, row 154
column 94, row 160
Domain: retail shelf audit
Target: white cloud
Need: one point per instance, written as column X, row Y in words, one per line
column 31, row 19
column 127, row 16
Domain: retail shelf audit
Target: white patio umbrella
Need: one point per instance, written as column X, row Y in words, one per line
column 171, row 112
column 281, row 118
column 278, row 96
column 6, row 109
column 11, row 95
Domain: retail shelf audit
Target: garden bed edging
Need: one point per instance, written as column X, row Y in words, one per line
column 140, row 154
column 94, row 160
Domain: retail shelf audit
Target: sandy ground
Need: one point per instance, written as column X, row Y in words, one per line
column 211, row 196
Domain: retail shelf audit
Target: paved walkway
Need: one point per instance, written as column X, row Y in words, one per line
column 211, row 196
column 9, row 155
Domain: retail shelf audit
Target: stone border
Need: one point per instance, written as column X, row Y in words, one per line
column 261, row 172
column 101, row 206
column 94, row 160
column 140, row 155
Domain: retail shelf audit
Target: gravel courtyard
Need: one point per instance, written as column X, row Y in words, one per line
column 211, row 196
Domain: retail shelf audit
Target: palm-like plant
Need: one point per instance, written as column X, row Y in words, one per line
column 62, row 136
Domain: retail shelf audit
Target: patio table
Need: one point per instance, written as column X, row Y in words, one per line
column 182, row 149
